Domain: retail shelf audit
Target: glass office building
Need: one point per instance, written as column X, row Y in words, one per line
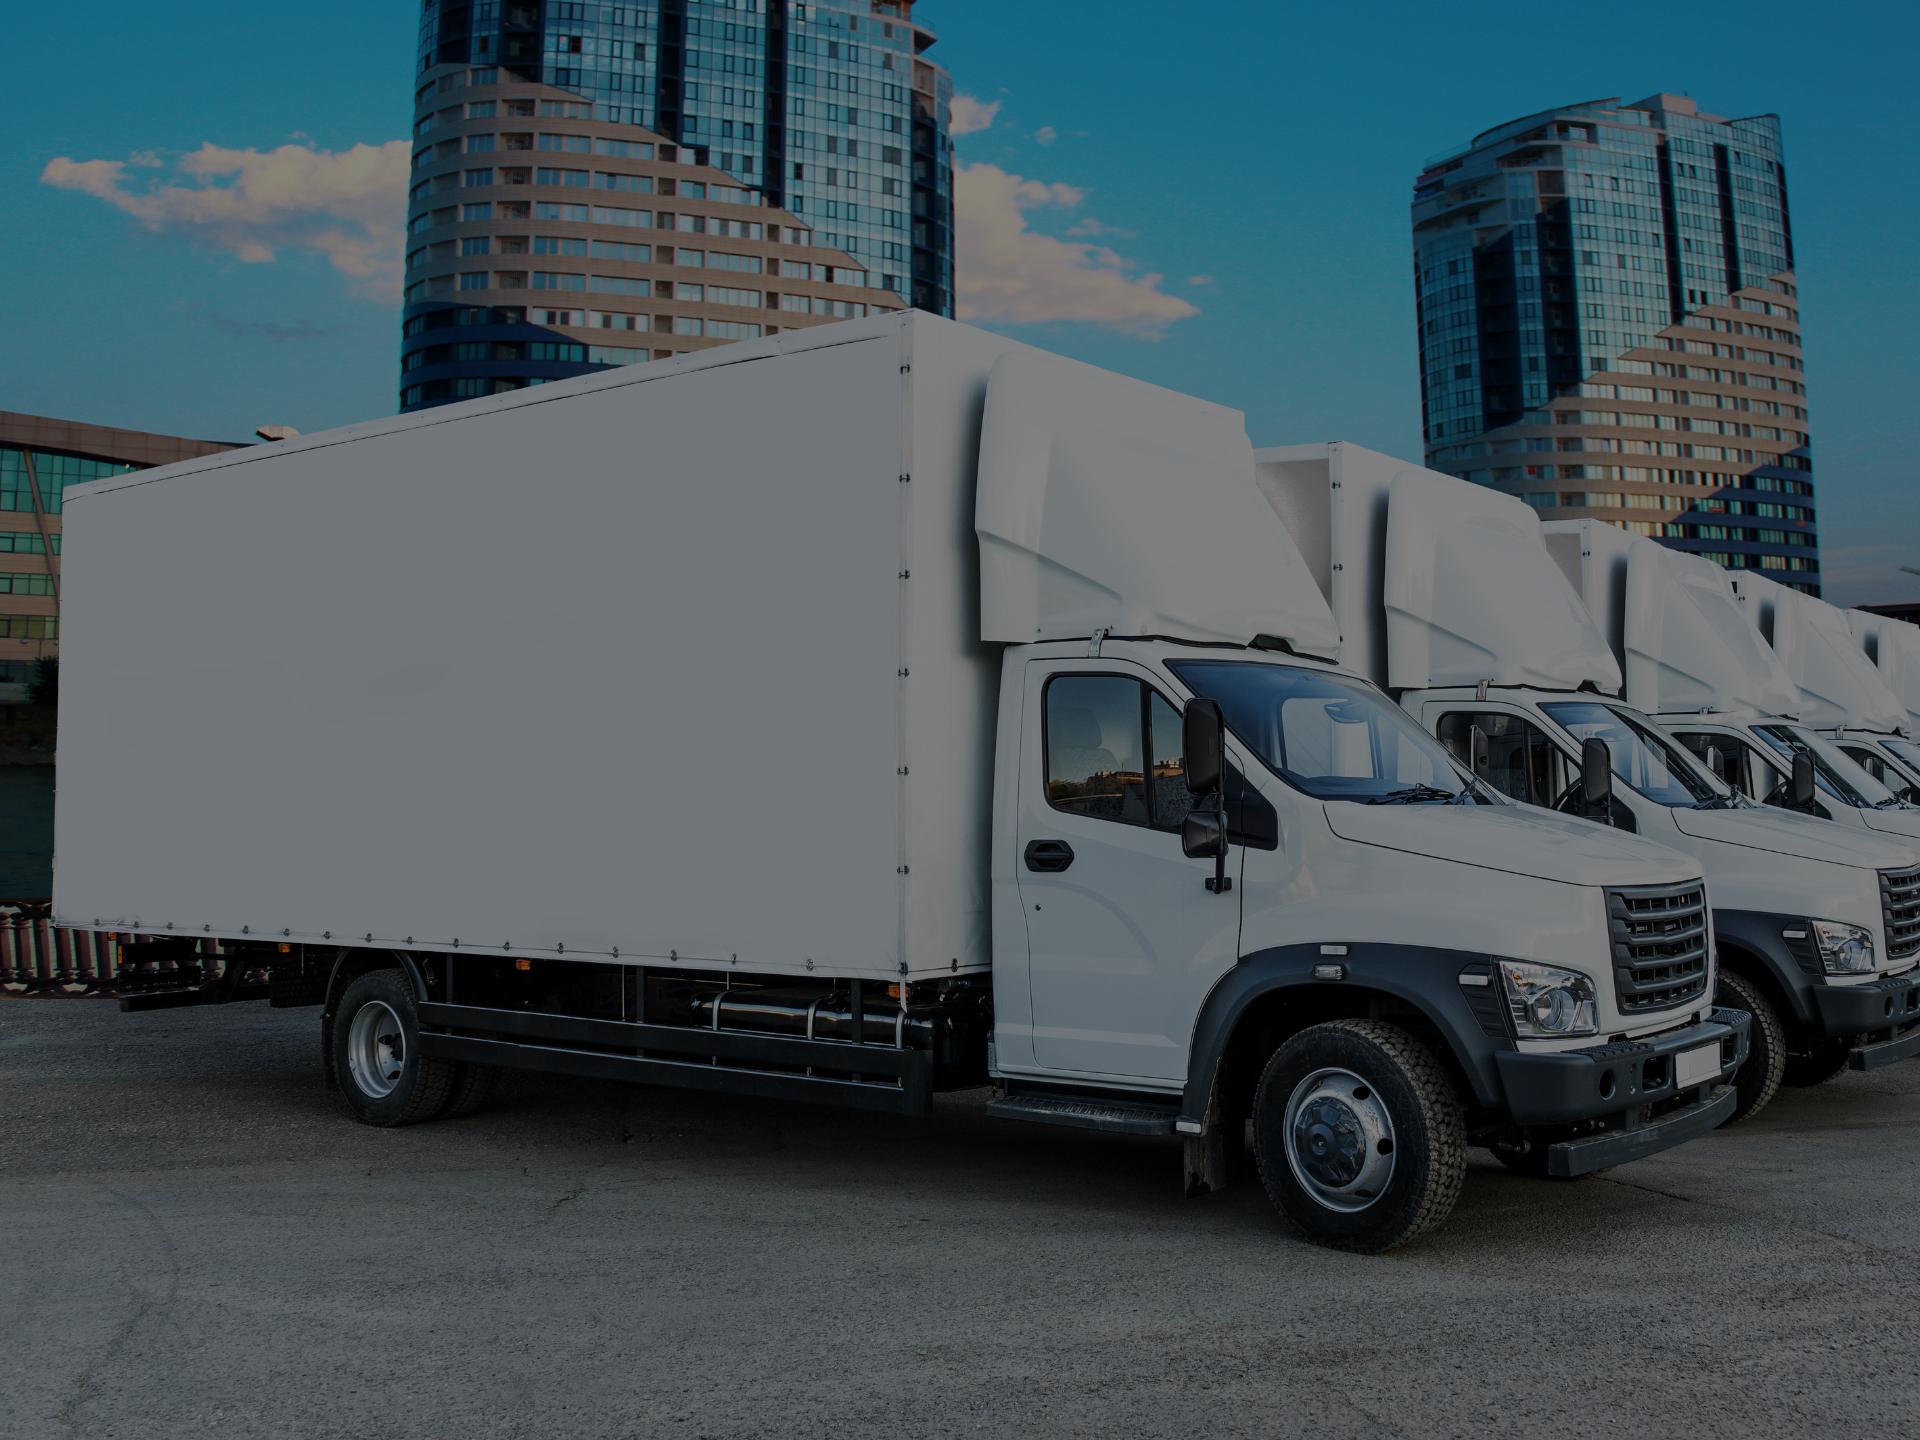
column 39, row 458
column 598, row 184
column 1609, row 327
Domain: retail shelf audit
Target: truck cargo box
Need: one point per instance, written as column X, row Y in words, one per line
column 1434, row 581
column 1684, row 643
column 673, row 664
column 678, row 664
column 1816, row 645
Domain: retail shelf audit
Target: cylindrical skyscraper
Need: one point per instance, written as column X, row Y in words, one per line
column 1609, row 327
column 599, row 184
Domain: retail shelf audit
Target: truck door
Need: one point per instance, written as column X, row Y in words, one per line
column 1124, row 938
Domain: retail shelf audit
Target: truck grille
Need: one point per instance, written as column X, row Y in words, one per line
column 1900, row 905
column 1659, row 935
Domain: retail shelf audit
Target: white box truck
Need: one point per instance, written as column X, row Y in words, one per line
column 1448, row 595
column 849, row 715
column 1894, row 648
column 1695, row 658
column 1843, row 988
column 1844, row 696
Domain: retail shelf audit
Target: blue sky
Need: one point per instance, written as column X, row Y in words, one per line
column 1257, row 158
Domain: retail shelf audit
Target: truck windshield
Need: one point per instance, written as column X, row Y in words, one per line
column 1330, row 735
column 1903, row 750
column 1833, row 771
column 1643, row 758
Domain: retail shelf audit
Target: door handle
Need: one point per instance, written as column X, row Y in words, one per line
column 1048, row 856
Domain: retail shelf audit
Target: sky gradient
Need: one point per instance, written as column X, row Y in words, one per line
column 1212, row 199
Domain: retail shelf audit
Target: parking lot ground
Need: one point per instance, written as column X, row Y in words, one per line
column 195, row 1240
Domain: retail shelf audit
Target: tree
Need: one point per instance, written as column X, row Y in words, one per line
column 44, row 687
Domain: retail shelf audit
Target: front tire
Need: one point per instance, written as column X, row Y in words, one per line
column 383, row 1077
column 1358, row 1136
column 1758, row 1080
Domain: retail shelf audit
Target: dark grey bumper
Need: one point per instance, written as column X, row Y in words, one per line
column 1589, row 1153
column 1614, row 1082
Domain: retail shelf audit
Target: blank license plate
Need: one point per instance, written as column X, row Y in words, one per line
column 1696, row 1066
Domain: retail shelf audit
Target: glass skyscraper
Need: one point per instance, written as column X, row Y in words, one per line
column 1609, row 327
column 582, row 170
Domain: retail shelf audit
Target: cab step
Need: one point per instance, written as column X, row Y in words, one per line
column 1081, row 1112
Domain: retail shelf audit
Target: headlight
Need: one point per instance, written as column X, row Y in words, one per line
column 1844, row 949
column 1548, row 1003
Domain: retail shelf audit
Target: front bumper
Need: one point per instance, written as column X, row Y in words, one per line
column 1884, row 1013
column 1617, row 1081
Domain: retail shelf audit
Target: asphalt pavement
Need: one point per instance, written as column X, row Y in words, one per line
column 196, row 1240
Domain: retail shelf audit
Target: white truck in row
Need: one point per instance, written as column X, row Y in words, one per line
column 1890, row 755
column 1493, row 632
column 852, row 715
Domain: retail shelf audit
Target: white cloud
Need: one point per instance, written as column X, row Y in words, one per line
column 1014, row 275
column 1046, row 135
column 971, row 116
column 347, row 206
column 1199, row 280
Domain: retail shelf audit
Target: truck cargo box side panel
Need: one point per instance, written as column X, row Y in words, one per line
column 1818, row 647
column 615, row 667
column 1334, row 499
column 1894, row 646
column 951, row 697
column 1689, row 644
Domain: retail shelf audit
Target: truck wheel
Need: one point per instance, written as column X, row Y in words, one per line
column 472, row 1089
column 376, row 1054
column 1756, row 1081
column 1818, row 1063
column 1358, row 1136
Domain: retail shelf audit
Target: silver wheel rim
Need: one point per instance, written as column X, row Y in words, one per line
column 376, row 1049
column 1340, row 1140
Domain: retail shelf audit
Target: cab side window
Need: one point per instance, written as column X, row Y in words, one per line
column 1095, row 748
column 1737, row 764
column 1115, row 750
column 1166, row 743
column 1870, row 762
column 1520, row 760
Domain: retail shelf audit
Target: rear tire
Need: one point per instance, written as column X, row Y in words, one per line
column 1817, row 1064
column 384, row 1078
column 1756, row 1081
column 472, row 1089
column 1358, row 1136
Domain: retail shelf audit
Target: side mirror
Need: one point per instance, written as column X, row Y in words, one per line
column 1203, row 742
column 1596, row 779
column 1477, row 752
column 1800, row 789
column 1203, row 834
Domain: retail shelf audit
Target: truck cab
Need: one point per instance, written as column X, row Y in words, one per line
column 1450, row 596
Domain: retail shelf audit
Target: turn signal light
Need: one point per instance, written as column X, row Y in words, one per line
column 523, row 964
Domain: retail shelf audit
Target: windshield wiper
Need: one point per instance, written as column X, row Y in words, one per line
column 1721, row 802
column 1413, row 795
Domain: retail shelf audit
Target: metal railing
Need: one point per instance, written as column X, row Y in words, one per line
column 39, row 957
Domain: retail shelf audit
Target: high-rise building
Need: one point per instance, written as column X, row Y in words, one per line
column 39, row 459
column 601, row 184
column 1609, row 327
